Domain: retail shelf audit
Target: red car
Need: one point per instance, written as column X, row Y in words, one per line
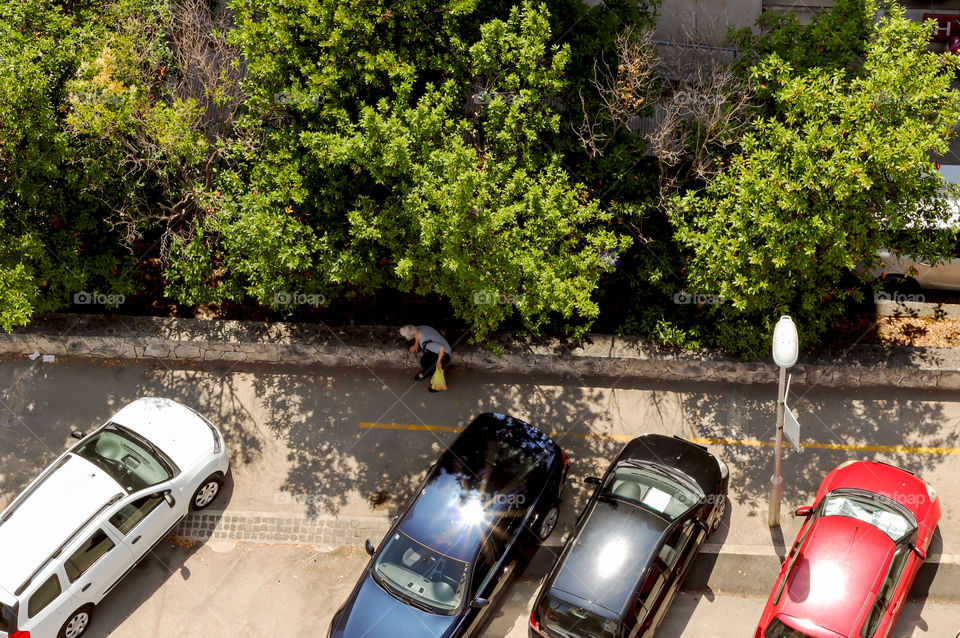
column 855, row 557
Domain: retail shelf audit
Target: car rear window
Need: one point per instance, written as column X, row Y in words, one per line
column 778, row 630
column 869, row 510
column 654, row 490
column 571, row 620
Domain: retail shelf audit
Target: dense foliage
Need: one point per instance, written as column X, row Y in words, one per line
column 836, row 167
column 482, row 152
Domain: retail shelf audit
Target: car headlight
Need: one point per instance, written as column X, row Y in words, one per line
column 845, row 464
column 724, row 470
column 932, row 493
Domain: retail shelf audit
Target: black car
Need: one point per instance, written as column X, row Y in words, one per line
column 489, row 500
column 634, row 542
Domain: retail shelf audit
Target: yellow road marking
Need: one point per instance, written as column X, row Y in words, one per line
column 852, row 447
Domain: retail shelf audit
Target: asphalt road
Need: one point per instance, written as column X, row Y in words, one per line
column 352, row 443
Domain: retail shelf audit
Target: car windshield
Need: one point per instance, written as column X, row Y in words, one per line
column 423, row 577
column 651, row 488
column 873, row 511
column 570, row 620
column 778, row 630
column 127, row 459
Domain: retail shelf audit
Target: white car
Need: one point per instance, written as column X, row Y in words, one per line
column 86, row 521
column 909, row 274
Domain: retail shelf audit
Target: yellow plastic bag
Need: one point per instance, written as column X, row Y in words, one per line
column 438, row 381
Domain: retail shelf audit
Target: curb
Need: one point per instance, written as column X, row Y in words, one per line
column 748, row 570
column 752, row 571
column 197, row 340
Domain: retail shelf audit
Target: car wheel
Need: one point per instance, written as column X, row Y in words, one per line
column 548, row 523
column 721, row 508
column 903, row 284
column 206, row 493
column 77, row 623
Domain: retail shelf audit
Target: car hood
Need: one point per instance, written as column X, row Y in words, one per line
column 177, row 430
column 373, row 613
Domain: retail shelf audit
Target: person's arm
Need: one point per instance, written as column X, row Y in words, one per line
column 416, row 343
column 440, row 359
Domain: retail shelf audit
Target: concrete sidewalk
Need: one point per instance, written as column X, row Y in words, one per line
column 246, row 589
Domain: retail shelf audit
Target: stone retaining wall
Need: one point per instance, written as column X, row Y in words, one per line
column 186, row 340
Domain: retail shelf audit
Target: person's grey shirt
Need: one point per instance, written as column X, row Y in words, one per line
column 436, row 340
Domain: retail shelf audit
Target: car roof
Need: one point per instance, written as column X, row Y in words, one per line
column 57, row 506
column 841, row 562
column 463, row 497
column 610, row 554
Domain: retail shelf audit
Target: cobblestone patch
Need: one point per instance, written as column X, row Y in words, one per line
column 279, row 528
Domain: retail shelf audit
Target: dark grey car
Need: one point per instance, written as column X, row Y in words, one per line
column 634, row 542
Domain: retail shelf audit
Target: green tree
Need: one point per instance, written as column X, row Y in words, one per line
column 55, row 239
column 403, row 148
column 839, row 168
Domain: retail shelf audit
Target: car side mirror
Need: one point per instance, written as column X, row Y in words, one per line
column 168, row 498
column 806, row 510
column 922, row 555
column 592, row 480
column 77, row 434
column 367, row 545
column 479, row 603
column 702, row 525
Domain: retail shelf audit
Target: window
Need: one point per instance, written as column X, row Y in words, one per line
column 868, row 509
column 777, row 629
column 650, row 591
column 132, row 513
column 490, row 554
column 6, row 619
column 45, row 594
column 886, row 591
column 652, row 488
column 673, row 547
column 569, row 620
column 791, row 561
column 88, row 554
column 420, row 576
column 131, row 461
